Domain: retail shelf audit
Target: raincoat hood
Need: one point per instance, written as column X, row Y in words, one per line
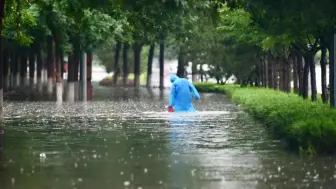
column 173, row 77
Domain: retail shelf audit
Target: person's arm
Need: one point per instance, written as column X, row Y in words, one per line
column 194, row 91
column 172, row 95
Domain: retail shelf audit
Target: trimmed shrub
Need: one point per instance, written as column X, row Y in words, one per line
column 306, row 126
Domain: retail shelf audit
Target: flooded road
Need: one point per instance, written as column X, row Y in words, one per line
column 125, row 139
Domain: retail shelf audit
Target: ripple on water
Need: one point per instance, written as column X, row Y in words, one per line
column 133, row 142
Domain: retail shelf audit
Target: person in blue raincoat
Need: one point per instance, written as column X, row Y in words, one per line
column 181, row 93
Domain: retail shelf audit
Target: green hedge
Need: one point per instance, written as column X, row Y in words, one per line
column 306, row 126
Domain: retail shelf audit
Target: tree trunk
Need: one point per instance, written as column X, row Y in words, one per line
column 324, row 73
column 23, row 69
column 5, row 68
column 181, row 63
column 1, row 83
column 313, row 77
column 116, row 72
column 76, row 62
column 150, row 63
column 282, row 75
column 39, row 63
column 194, row 72
column 161, row 60
column 289, row 64
column 71, row 77
column 201, row 72
column 265, row 72
column 332, row 75
column 305, row 77
column 295, row 74
column 137, row 59
column 50, row 64
column 31, row 67
column 15, row 68
column 270, row 72
column 89, row 75
column 275, row 73
column 62, row 64
column 300, row 71
column 261, row 72
column 125, row 64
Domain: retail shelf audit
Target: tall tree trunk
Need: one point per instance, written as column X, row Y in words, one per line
column 324, row 73
column 305, row 77
column 58, row 65
column 116, row 72
column 71, row 77
column 76, row 62
column 332, row 68
column 261, row 72
column 288, row 74
column 194, row 72
column 23, row 69
column 276, row 72
column 161, row 60
column 125, row 63
column 181, row 64
column 269, row 71
column 150, row 65
column 62, row 64
column 5, row 63
column 1, row 82
column 295, row 74
column 15, row 68
column 202, row 73
column 50, row 63
column 89, row 74
column 300, row 71
column 264, row 69
column 137, row 61
column 282, row 75
column 39, row 67
column 312, row 76
column 31, row 67
column 39, row 63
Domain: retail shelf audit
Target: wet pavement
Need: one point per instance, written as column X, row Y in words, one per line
column 125, row 138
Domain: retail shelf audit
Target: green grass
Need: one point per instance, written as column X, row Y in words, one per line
column 307, row 127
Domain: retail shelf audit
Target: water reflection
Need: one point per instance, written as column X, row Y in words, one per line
column 131, row 141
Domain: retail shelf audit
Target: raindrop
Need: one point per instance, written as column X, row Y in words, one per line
column 76, row 165
column 43, row 155
column 121, row 173
column 160, row 182
column 193, row 172
column 13, row 181
column 94, row 156
column 127, row 183
column 145, row 170
column 80, row 180
column 21, row 170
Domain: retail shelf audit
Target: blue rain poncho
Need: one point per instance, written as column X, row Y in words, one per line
column 181, row 93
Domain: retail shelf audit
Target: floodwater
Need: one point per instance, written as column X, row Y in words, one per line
column 125, row 139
